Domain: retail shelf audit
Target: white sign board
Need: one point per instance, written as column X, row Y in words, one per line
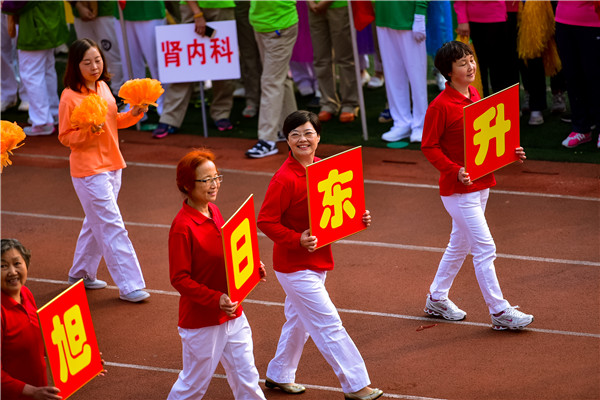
column 185, row 56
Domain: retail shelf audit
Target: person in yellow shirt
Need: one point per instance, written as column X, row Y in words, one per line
column 96, row 165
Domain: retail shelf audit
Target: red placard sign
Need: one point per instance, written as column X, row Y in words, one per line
column 240, row 246
column 70, row 340
column 492, row 132
column 336, row 196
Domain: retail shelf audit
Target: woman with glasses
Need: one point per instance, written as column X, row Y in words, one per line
column 96, row 164
column 301, row 270
column 213, row 329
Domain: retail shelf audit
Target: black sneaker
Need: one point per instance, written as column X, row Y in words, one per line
column 262, row 149
column 224, row 124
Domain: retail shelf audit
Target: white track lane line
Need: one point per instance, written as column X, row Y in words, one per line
column 376, row 182
column 343, row 241
column 221, row 376
column 351, row 311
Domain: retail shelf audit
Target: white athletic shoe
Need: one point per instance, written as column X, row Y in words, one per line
column 444, row 308
column 511, row 318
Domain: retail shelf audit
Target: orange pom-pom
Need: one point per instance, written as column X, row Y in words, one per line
column 12, row 134
column 141, row 92
column 90, row 113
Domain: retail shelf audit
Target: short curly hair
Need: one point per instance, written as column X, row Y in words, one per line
column 8, row 244
column 186, row 168
column 447, row 54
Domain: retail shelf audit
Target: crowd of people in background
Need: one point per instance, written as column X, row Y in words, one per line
column 400, row 35
column 309, row 45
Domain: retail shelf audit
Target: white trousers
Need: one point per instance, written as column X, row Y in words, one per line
column 103, row 233
column 310, row 311
column 141, row 37
column 470, row 232
column 405, row 67
column 38, row 75
column 9, row 54
column 102, row 31
column 229, row 343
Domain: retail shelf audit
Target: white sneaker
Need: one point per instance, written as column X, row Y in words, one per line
column 395, row 134
column 136, row 296
column 375, row 82
column 239, row 92
column 416, row 135
column 39, row 130
column 23, row 106
column 511, row 318
column 89, row 283
column 262, row 148
column 536, row 118
column 444, row 308
column 306, row 91
column 365, row 77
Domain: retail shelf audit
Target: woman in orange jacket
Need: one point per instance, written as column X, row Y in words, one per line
column 96, row 165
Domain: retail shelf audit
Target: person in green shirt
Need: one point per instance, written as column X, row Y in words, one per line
column 275, row 26
column 42, row 28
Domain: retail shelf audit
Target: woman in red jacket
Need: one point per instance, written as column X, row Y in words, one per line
column 213, row 329
column 23, row 363
column 301, row 270
column 465, row 200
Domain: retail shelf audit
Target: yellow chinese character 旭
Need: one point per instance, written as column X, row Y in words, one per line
column 485, row 132
column 74, row 353
column 241, row 248
column 336, row 198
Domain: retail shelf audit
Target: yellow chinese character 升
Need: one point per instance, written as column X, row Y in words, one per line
column 485, row 132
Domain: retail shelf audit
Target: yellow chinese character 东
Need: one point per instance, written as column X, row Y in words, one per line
column 485, row 132
column 75, row 354
column 336, row 198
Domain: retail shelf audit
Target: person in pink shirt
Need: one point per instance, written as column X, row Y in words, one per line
column 96, row 164
column 578, row 42
column 485, row 22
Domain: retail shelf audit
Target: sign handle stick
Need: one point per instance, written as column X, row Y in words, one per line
column 359, row 88
column 203, row 109
column 138, row 125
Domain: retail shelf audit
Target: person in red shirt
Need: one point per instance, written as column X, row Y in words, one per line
column 23, row 363
column 301, row 270
column 213, row 329
column 465, row 200
column 96, row 165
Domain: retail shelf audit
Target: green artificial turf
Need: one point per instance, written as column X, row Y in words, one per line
column 541, row 142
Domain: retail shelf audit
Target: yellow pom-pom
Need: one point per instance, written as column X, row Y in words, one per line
column 12, row 134
column 141, row 92
column 552, row 63
column 536, row 28
column 90, row 113
column 477, row 82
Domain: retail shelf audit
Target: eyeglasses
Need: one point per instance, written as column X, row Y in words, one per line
column 216, row 180
column 295, row 135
